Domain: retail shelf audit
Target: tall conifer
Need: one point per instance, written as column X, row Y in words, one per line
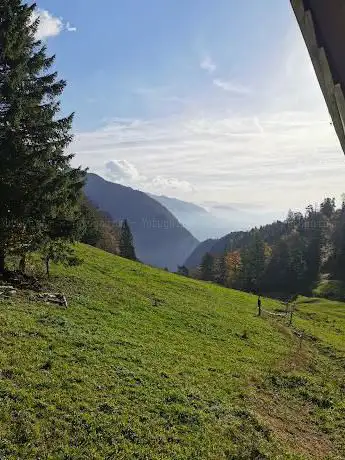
column 126, row 242
column 37, row 183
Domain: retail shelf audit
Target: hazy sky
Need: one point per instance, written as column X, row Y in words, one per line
column 207, row 101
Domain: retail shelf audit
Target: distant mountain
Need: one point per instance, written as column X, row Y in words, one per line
column 199, row 221
column 160, row 239
column 215, row 220
column 196, row 256
column 178, row 206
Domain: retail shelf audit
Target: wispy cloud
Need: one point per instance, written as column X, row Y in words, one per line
column 231, row 87
column 158, row 94
column 208, row 64
column 225, row 158
column 70, row 28
column 226, row 85
column 279, row 149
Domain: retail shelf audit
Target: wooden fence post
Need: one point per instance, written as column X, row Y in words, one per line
column 291, row 315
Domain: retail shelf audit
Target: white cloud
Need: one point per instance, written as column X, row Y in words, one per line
column 124, row 172
column 226, row 158
column 280, row 149
column 162, row 183
column 231, row 87
column 208, row 65
column 50, row 25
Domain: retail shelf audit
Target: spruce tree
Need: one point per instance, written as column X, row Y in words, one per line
column 37, row 183
column 207, row 267
column 182, row 270
column 220, row 269
column 253, row 262
column 126, row 242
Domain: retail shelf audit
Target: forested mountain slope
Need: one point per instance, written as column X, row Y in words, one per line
column 160, row 239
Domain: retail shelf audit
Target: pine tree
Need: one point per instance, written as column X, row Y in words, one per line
column 338, row 240
column 126, row 242
column 253, row 262
column 37, row 183
column 207, row 267
column 220, row 270
column 98, row 229
column 327, row 207
column 314, row 236
column 182, row 270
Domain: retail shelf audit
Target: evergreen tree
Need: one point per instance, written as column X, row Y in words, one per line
column 98, row 229
column 182, row 270
column 327, row 207
column 297, row 276
column 276, row 278
column 220, row 270
column 126, row 242
column 338, row 242
column 314, row 236
column 254, row 262
column 37, row 183
column 207, row 267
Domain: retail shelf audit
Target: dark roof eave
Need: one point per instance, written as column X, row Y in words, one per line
column 333, row 92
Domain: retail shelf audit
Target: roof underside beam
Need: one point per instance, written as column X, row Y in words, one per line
column 322, row 23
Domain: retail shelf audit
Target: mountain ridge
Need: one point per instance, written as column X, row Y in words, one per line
column 160, row 239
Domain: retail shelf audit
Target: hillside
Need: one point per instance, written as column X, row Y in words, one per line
column 144, row 364
column 271, row 233
column 196, row 256
column 176, row 206
column 160, row 239
column 209, row 223
column 200, row 222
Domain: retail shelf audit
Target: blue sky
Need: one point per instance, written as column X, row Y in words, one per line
column 208, row 101
column 123, row 47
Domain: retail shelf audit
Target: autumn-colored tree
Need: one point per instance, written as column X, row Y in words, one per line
column 233, row 265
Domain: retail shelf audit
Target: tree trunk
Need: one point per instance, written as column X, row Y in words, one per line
column 47, row 267
column 22, row 264
column 2, row 261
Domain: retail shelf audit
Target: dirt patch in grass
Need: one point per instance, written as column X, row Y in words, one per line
column 291, row 424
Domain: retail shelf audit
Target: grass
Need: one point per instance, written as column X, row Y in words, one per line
column 330, row 289
column 144, row 364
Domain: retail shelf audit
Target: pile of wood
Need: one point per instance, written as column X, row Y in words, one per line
column 21, row 281
column 7, row 291
column 16, row 283
column 59, row 299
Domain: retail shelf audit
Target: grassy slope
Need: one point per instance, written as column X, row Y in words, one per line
column 148, row 365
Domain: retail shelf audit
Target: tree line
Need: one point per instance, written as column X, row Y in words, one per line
column 287, row 257
column 42, row 206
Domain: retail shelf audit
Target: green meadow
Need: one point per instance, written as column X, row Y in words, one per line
column 144, row 364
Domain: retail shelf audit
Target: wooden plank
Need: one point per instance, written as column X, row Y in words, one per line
column 334, row 97
column 340, row 99
column 331, row 100
column 298, row 7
